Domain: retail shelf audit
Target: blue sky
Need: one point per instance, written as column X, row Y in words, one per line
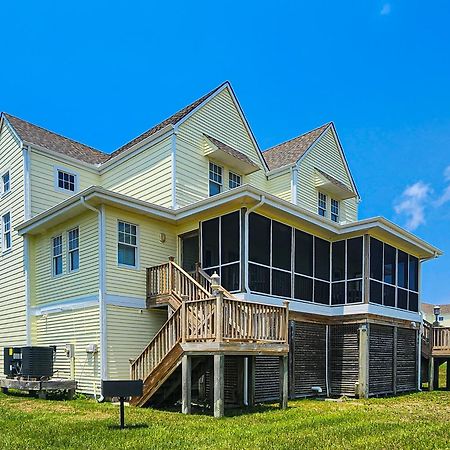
column 102, row 72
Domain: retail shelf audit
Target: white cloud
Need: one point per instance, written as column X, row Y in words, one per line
column 386, row 9
column 413, row 202
column 447, row 173
column 445, row 197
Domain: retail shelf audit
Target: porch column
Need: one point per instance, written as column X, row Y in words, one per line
column 186, row 382
column 251, row 380
column 431, row 373
column 284, row 381
column 219, row 385
column 437, row 362
column 447, row 386
column 363, row 382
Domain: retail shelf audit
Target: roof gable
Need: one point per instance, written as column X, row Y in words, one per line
column 291, row 151
column 39, row 136
column 172, row 120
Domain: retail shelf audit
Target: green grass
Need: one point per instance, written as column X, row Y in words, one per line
column 413, row 421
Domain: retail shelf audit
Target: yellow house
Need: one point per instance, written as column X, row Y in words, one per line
column 87, row 236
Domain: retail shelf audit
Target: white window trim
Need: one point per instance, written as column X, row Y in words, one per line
column 124, row 266
column 213, row 181
column 2, row 173
column 53, row 255
column 5, row 251
column 69, row 270
column 338, row 215
column 57, row 169
column 326, row 209
column 230, row 173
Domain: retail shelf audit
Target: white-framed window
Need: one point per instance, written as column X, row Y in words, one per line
column 334, row 210
column 73, row 246
column 322, row 204
column 6, row 232
column 57, row 255
column 127, row 244
column 5, row 183
column 234, row 180
column 215, row 179
column 66, row 180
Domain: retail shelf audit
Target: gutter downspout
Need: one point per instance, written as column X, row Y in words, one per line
column 174, row 167
column 101, row 288
column 247, row 213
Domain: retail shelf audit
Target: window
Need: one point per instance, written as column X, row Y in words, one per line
column 234, row 180
column 215, row 179
column 66, row 181
column 73, row 240
column 6, row 232
column 127, row 244
column 322, row 204
column 334, row 210
column 5, row 183
column 57, row 255
column 393, row 277
column 221, row 247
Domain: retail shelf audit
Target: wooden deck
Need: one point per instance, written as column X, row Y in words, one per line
column 435, row 341
column 207, row 320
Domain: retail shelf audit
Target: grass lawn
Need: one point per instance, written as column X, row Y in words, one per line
column 416, row 421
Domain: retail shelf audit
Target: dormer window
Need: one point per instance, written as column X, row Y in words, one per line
column 215, row 179
column 234, row 180
column 322, row 204
column 334, row 210
column 65, row 180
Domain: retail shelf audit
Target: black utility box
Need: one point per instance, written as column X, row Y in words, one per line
column 122, row 388
column 33, row 362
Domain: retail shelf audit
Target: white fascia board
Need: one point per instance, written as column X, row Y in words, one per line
column 137, row 148
column 4, row 120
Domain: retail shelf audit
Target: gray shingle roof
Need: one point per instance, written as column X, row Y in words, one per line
column 231, row 151
column 290, row 151
column 172, row 120
column 55, row 142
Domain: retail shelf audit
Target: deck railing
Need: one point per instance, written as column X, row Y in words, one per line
column 171, row 279
column 441, row 341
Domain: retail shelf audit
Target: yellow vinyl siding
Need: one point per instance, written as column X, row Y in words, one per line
column 129, row 332
column 79, row 327
column 12, row 280
column 42, row 181
column 146, row 176
column 280, row 185
column 129, row 281
column 325, row 155
column 45, row 287
column 220, row 119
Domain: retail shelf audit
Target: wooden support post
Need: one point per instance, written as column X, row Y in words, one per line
column 431, row 373
column 436, row 374
column 394, row 365
column 219, row 316
column 447, row 386
column 363, row 382
column 251, row 380
column 183, row 322
column 219, row 385
column 186, row 381
column 284, row 381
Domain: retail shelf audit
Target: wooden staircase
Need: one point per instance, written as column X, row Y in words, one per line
column 206, row 319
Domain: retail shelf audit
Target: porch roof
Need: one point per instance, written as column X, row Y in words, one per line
column 244, row 196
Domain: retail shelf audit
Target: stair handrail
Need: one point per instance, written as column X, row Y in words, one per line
column 173, row 322
column 202, row 274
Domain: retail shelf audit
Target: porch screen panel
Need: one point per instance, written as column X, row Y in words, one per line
column 221, row 244
column 393, row 277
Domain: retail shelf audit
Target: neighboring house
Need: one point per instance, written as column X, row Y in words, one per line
column 80, row 228
column 443, row 318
